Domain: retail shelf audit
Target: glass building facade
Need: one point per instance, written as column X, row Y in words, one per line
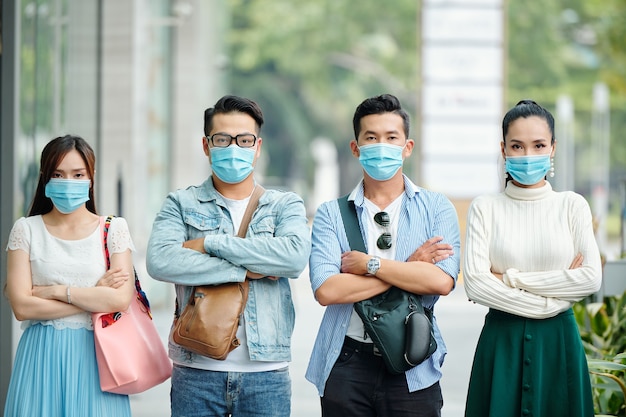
column 132, row 77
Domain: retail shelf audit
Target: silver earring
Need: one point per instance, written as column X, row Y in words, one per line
column 551, row 174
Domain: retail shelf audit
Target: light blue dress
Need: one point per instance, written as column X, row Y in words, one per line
column 55, row 372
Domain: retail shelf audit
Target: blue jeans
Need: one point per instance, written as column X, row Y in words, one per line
column 359, row 385
column 200, row 393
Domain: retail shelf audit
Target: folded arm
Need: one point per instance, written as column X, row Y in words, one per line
column 49, row 302
column 432, row 268
column 339, row 275
column 485, row 288
column 220, row 258
column 19, row 289
column 281, row 250
column 576, row 282
column 419, row 276
column 167, row 260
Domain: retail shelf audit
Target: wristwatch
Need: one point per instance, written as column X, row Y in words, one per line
column 373, row 265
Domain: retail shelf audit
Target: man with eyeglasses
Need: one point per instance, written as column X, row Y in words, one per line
column 193, row 243
column 412, row 239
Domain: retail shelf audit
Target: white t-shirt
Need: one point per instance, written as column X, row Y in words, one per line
column 374, row 230
column 238, row 360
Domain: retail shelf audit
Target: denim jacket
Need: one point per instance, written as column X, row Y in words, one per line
column 277, row 244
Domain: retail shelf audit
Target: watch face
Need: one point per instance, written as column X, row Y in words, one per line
column 372, row 265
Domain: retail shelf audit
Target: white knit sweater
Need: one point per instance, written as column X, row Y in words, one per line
column 531, row 235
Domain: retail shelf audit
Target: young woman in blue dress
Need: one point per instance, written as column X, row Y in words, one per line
column 56, row 276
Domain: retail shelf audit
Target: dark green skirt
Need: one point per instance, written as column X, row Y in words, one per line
column 527, row 367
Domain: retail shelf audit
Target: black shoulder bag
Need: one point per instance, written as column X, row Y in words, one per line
column 400, row 327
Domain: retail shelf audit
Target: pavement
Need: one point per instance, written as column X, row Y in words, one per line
column 460, row 322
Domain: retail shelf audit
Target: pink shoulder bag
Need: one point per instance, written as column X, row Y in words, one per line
column 131, row 356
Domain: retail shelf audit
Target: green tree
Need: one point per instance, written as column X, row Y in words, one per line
column 607, row 20
column 309, row 63
column 565, row 47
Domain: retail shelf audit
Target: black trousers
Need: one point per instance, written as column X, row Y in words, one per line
column 359, row 385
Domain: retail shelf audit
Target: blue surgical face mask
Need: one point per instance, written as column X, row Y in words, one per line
column 381, row 161
column 528, row 170
column 67, row 195
column 232, row 164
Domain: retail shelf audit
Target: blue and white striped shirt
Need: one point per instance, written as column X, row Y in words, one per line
column 424, row 214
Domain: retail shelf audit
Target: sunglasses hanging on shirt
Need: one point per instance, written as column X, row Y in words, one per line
column 384, row 240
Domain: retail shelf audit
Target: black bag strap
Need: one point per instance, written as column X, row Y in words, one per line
column 351, row 224
column 353, row 230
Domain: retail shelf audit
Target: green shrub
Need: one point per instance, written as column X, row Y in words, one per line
column 603, row 331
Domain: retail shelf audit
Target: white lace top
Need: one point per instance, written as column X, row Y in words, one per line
column 78, row 263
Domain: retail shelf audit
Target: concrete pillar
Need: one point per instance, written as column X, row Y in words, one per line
column 326, row 177
column 199, row 81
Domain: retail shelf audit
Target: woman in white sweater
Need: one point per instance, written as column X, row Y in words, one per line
column 530, row 254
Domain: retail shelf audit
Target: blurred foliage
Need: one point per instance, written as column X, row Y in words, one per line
column 36, row 66
column 607, row 18
column 602, row 328
column 608, row 386
column 565, row 47
column 309, row 64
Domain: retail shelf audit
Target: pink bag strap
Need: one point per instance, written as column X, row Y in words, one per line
column 104, row 226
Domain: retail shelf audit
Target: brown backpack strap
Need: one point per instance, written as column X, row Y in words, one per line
column 252, row 205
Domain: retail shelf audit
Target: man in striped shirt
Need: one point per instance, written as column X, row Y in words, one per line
column 412, row 240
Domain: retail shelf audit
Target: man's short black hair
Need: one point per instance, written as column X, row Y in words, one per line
column 230, row 104
column 385, row 103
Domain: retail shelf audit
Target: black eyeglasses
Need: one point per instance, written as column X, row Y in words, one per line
column 222, row 140
column 384, row 240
